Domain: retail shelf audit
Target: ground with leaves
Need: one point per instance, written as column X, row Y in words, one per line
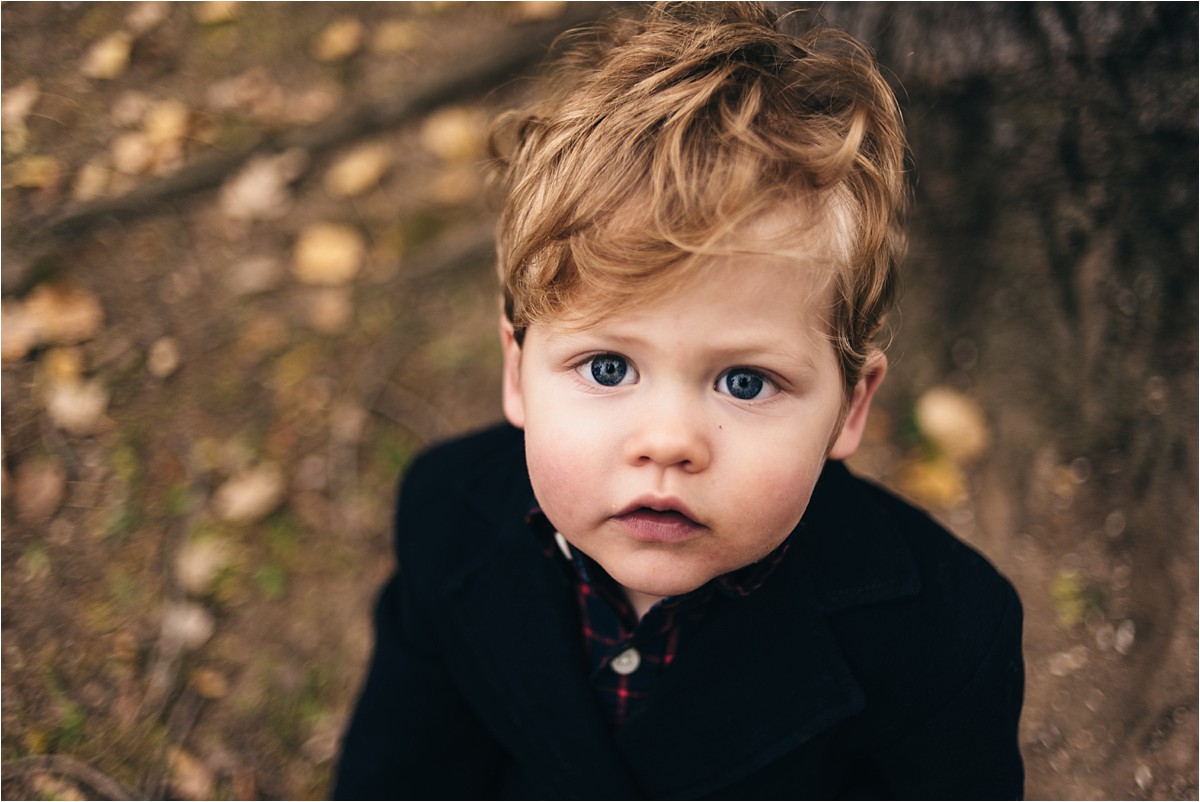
column 247, row 276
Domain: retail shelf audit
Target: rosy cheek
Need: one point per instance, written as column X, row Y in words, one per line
column 794, row 487
column 557, row 475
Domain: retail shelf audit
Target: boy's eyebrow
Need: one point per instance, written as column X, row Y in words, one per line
column 749, row 350
column 802, row 358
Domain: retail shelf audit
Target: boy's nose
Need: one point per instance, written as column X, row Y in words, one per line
column 669, row 434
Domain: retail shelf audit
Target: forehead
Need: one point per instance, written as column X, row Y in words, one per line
column 727, row 301
column 628, row 265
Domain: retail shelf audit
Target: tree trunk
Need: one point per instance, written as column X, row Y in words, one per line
column 1052, row 275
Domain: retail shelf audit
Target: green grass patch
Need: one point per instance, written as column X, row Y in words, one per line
column 271, row 582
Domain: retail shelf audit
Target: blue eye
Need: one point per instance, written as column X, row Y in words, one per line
column 608, row 370
column 745, row 384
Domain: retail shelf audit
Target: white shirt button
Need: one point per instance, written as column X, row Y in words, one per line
column 626, row 662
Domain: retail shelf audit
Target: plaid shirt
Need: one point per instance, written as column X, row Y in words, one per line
column 626, row 656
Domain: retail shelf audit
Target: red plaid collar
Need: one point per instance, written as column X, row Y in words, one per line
column 612, row 632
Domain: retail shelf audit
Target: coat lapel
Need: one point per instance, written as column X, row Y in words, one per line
column 772, row 674
column 517, row 612
column 773, row 678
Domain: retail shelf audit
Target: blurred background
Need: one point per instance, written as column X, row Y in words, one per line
column 247, row 275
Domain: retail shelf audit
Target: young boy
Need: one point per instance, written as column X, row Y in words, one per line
column 660, row 581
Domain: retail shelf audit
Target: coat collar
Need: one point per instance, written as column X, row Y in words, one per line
column 855, row 552
column 772, row 651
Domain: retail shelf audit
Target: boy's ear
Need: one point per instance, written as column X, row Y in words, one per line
column 514, row 402
column 860, row 405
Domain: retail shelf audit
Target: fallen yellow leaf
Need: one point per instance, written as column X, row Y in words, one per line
column 132, row 153
column 251, row 494
column 166, row 123
column 260, row 189
column 454, row 133
column 200, row 562
column 78, row 407
column 217, row 12
column 340, row 40
column 536, row 9
column 109, row 57
column 20, row 331
column 359, row 170
column 92, row 180
column 17, row 103
column 34, row 172
column 953, row 422
column 328, row 254
column 164, row 357
column 64, row 314
column 395, row 36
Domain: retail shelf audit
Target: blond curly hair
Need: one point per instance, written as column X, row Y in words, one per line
column 660, row 140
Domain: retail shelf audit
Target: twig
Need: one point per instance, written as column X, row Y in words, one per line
column 80, row 773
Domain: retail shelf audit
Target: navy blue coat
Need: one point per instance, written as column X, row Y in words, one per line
column 882, row 659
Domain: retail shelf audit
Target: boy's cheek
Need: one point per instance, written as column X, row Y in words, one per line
column 558, row 475
column 781, row 500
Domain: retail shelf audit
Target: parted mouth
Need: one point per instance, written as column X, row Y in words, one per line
column 665, row 508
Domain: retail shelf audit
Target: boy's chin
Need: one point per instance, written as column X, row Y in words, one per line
column 648, row 582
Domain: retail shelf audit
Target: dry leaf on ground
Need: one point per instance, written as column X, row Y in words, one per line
column 78, row 407
column 109, row 57
column 200, row 562
column 92, row 180
column 49, row 786
column 19, row 331
column 217, row 12
column 18, row 102
column 455, row 133
column 166, row 123
column 190, row 778
column 254, row 274
column 359, row 170
column 132, row 153
column 339, row 40
column 328, row 254
column 536, row 9
column 34, row 172
column 39, row 488
column 147, row 15
column 63, row 364
column 63, row 313
column 164, row 357
column 395, row 36
column 187, row 624
column 251, row 494
column 953, row 422
column 260, row 190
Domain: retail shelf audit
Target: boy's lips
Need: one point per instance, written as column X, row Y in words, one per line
column 659, row 520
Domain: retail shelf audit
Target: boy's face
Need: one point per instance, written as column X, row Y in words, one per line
column 681, row 440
